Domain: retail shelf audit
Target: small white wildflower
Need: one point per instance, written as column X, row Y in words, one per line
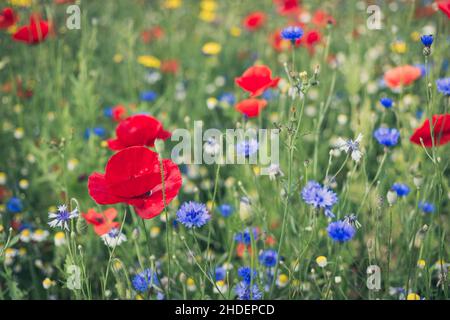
column 351, row 146
column 114, row 238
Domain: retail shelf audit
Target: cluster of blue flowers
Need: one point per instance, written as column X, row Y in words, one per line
column 401, row 189
column 193, row 215
column 387, row 136
column 292, row 33
column 145, row 280
column 245, row 237
column 320, row 197
column 245, row 290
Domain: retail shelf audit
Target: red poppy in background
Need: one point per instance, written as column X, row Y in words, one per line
column 35, row 32
column 321, row 18
column 287, row 7
column 118, row 113
column 444, row 6
column 133, row 176
column 8, row 18
column 138, row 130
column 103, row 222
column 152, row 34
column 401, row 76
column 169, row 66
column 251, row 107
column 256, row 79
column 254, row 20
column 441, row 131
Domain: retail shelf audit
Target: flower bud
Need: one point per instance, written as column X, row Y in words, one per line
column 391, row 197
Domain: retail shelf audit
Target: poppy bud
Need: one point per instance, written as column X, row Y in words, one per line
column 391, row 197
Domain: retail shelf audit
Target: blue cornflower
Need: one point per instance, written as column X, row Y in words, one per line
column 319, row 197
column 419, row 114
column 245, row 292
column 426, row 207
column 193, row 214
column 292, row 33
column 107, row 112
column 386, row 102
column 145, row 280
column 443, row 86
column 225, row 210
column 427, row 40
column 62, row 217
column 245, row 236
column 148, row 96
column 387, row 136
column 98, row 131
column 247, row 274
column 14, row 205
column 341, row 231
column 220, row 273
column 401, row 189
column 227, row 98
column 247, row 147
column 268, row 258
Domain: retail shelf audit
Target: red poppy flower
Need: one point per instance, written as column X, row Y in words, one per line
column 277, row 42
column 103, row 222
column 242, row 248
column 7, row 18
column 33, row 33
column 287, row 7
column 133, row 176
column 254, row 20
column 401, row 76
column 251, row 107
column 256, row 79
column 321, row 18
column 441, row 131
column 444, row 6
column 152, row 34
column 138, row 130
column 169, row 66
column 118, row 113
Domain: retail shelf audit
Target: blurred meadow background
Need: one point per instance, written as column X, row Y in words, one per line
column 337, row 203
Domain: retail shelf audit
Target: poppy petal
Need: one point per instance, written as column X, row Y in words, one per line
column 98, row 190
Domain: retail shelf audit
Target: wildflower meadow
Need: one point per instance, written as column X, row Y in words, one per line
column 224, row 149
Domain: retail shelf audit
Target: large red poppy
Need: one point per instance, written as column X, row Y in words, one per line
column 256, row 79
column 7, row 18
column 138, row 130
column 254, row 20
column 444, row 6
column 103, row 222
column 33, row 33
column 401, row 76
column 133, row 176
column 251, row 107
column 441, row 131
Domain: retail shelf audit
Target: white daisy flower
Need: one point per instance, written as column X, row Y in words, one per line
column 61, row 217
column 351, row 146
column 114, row 238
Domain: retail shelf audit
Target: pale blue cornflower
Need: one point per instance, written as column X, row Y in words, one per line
column 62, row 217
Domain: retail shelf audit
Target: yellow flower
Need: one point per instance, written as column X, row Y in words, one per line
column 211, row 48
column 256, row 170
column 117, row 265
column 235, row 31
column 190, row 283
column 322, row 261
column 413, row 296
column 23, row 184
column 415, row 36
column 118, row 58
column 282, row 280
column 47, row 283
column 172, row 4
column 149, row 61
column 154, row 232
column 2, row 178
column 19, row 133
column 207, row 16
column 399, row 47
column 59, row 238
column 208, row 5
column 139, row 297
column 21, row 3
column 22, row 252
column 72, row 164
column 3, row 229
column 421, row 263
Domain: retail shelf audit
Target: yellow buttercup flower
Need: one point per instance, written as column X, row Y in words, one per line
column 21, row 3
column 149, row 61
column 207, row 16
column 399, row 47
column 235, row 31
column 322, row 261
column 172, row 4
column 415, row 36
column 211, row 48
column 208, row 5
column 421, row 263
column 413, row 296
